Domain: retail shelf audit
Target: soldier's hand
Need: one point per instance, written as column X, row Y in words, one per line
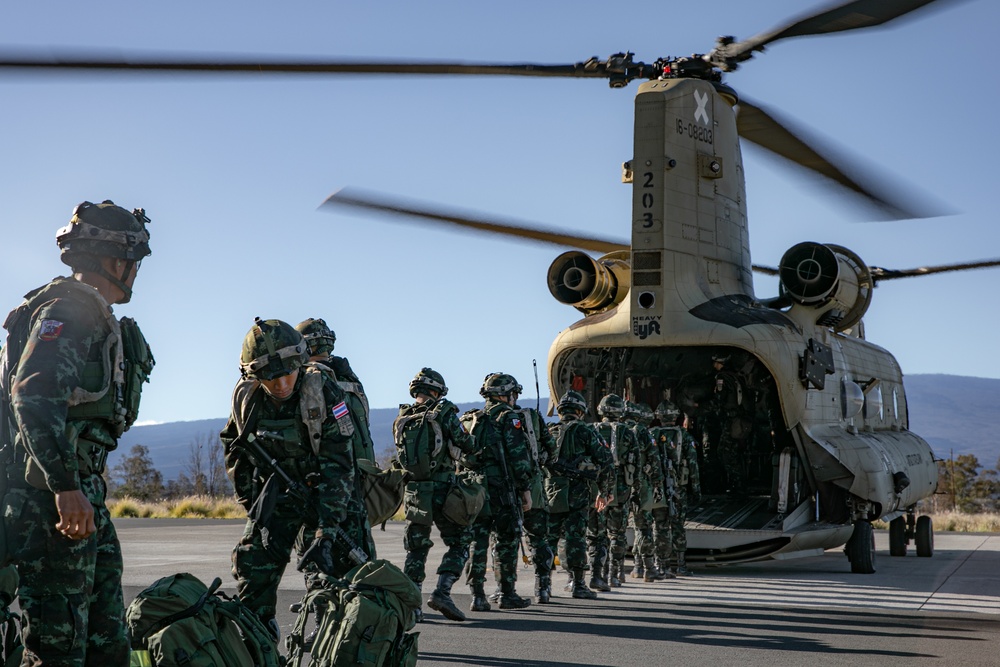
column 526, row 501
column 76, row 515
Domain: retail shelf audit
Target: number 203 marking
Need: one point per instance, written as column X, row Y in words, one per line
column 647, row 200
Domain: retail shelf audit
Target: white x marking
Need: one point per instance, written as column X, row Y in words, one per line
column 701, row 113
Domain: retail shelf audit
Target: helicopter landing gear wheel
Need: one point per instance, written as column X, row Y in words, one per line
column 860, row 548
column 897, row 536
column 925, row 537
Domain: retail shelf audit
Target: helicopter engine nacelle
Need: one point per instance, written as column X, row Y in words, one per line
column 829, row 280
column 591, row 286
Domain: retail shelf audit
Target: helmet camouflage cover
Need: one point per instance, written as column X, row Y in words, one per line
column 428, row 379
column 667, row 412
column 318, row 335
column 272, row 348
column 572, row 401
column 645, row 414
column 499, row 384
column 632, row 411
column 611, row 406
column 104, row 230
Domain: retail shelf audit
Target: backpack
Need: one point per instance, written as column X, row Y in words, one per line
column 11, row 646
column 179, row 621
column 364, row 620
column 419, row 440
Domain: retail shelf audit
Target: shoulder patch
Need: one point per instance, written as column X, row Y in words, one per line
column 516, row 422
column 339, row 410
column 49, row 330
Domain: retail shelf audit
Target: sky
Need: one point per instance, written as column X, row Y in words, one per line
column 232, row 170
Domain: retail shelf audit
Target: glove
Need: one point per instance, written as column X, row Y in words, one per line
column 658, row 494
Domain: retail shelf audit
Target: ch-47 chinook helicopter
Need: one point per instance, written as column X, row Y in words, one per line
column 821, row 413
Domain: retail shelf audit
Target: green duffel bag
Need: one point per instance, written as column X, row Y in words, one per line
column 465, row 499
column 382, row 490
column 557, row 494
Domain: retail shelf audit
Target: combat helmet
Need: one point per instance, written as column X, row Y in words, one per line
column 632, row 411
column 667, row 413
column 428, row 378
column 572, row 401
column 272, row 348
column 319, row 337
column 611, row 406
column 499, row 384
column 104, row 230
column 645, row 414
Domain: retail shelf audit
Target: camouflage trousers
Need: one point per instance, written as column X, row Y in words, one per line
column 258, row 568
column 417, row 541
column 662, row 532
column 598, row 542
column 502, row 525
column 572, row 526
column 678, row 534
column 643, row 524
column 731, row 456
column 617, row 520
column 536, row 527
column 70, row 591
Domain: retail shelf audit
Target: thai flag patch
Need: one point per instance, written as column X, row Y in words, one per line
column 339, row 410
column 49, row 330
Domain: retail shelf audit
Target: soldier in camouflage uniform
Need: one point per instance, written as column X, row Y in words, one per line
column 504, row 459
column 638, row 416
column 297, row 412
column 678, row 447
column 541, row 447
column 431, row 464
column 581, row 458
column 733, row 414
column 321, row 340
column 628, row 467
column 71, row 376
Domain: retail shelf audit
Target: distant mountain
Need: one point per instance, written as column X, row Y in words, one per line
column 953, row 413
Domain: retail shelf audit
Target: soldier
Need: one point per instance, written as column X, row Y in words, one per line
column 581, row 458
column 503, row 458
column 626, row 481
column 430, row 462
column 638, row 416
column 296, row 412
column 731, row 410
column 72, row 375
column 541, row 447
column 678, row 447
column 321, row 340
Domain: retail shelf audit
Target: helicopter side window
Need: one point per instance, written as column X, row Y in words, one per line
column 873, row 404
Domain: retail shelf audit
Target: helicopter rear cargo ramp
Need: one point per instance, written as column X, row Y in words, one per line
column 731, row 530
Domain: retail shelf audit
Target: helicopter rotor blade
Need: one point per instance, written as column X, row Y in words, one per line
column 853, row 15
column 880, row 273
column 893, row 202
column 373, row 202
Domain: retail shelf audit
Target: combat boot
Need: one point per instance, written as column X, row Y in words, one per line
column 651, row 571
column 440, row 600
column 543, row 589
column 495, row 595
column 682, row 568
column 569, row 582
column 597, row 580
column 479, row 601
column 638, row 570
column 580, row 590
column 617, row 567
column 663, row 568
column 509, row 599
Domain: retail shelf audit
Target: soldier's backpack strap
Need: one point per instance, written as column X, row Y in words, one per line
column 312, row 404
column 529, row 431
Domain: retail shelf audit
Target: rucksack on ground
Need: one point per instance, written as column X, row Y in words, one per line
column 179, row 621
column 366, row 618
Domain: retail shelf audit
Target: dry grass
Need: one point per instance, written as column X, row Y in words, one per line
column 957, row 522
column 191, row 507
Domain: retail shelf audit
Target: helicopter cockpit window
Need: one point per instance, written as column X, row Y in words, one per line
column 852, row 399
column 895, row 405
column 873, row 404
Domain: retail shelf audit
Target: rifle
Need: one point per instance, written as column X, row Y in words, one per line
column 510, row 496
column 571, row 469
column 332, row 556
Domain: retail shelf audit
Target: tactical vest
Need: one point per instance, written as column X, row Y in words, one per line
column 111, row 387
column 627, row 460
column 283, row 436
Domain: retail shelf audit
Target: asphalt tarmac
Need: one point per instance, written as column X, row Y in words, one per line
column 943, row 610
